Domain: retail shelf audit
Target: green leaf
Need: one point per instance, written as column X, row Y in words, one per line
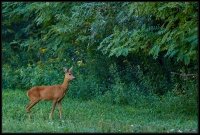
column 155, row 50
column 186, row 59
column 164, row 39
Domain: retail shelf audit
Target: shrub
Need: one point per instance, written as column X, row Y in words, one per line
column 85, row 87
column 26, row 77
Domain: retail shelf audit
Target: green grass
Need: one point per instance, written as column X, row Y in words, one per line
column 89, row 116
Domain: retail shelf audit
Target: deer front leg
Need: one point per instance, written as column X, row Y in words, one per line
column 52, row 110
column 60, row 109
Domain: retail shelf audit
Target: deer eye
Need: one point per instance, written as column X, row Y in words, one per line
column 69, row 74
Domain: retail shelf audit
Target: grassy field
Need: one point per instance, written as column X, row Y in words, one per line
column 89, row 116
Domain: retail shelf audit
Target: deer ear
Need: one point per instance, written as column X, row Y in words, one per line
column 70, row 69
column 64, row 69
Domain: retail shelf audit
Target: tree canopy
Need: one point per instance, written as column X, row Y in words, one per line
column 114, row 28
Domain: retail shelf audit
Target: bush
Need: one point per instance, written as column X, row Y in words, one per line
column 85, row 87
column 9, row 78
column 26, row 77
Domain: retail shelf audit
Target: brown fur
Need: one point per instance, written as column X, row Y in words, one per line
column 55, row 93
column 46, row 92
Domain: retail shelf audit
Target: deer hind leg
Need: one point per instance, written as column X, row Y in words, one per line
column 31, row 104
column 52, row 110
column 60, row 109
column 28, row 105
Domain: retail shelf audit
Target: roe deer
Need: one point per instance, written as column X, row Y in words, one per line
column 54, row 93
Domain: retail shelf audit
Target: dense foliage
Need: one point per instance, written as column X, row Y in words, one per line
column 121, row 51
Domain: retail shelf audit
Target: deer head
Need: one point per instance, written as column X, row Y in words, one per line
column 68, row 73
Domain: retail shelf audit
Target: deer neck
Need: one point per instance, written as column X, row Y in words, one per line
column 65, row 84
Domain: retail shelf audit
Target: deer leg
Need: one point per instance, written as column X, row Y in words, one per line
column 60, row 109
column 28, row 104
column 31, row 104
column 52, row 110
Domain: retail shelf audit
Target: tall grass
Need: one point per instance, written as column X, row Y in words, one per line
column 92, row 116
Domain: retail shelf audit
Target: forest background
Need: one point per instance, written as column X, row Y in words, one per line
column 137, row 54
